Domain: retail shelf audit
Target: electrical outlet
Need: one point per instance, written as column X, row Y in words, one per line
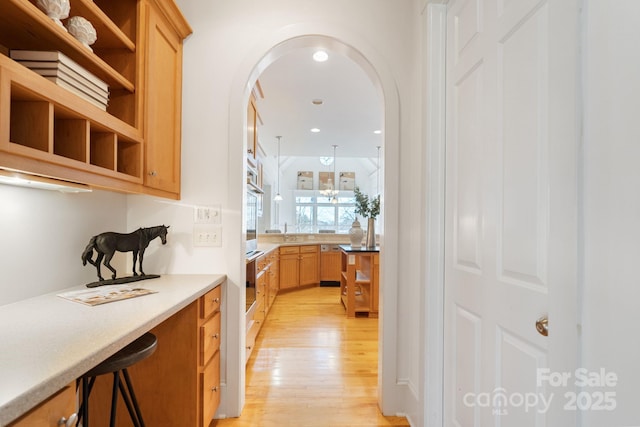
column 207, row 214
column 207, row 235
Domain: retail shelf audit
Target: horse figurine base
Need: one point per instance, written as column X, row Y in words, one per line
column 121, row 280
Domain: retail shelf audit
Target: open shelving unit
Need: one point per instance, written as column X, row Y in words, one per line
column 45, row 130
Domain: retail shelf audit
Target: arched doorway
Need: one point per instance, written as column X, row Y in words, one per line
column 339, row 40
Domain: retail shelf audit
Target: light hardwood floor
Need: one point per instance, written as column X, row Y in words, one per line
column 313, row 367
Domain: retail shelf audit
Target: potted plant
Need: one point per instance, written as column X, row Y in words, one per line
column 369, row 208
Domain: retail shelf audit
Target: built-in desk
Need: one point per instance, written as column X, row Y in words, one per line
column 48, row 341
column 359, row 290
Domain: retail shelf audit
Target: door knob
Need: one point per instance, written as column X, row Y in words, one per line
column 542, row 326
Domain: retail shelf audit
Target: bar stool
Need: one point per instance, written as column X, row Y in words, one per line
column 138, row 350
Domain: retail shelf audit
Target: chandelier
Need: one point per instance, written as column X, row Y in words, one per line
column 330, row 188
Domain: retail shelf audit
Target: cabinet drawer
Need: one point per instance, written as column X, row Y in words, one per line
column 210, row 338
column 287, row 250
column 308, row 249
column 211, row 302
column 262, row 263
column 51, row 411
column 211, row 389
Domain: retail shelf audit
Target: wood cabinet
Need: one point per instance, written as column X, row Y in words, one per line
column 179, row 384
column 299, row 266
column 309, row 265
column 289, row 267
column 265, row 296
column 46, row 130
column 164, row 31
column 58, row 410
column 359, row 289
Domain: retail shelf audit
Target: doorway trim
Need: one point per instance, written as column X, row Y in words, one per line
column 265, row 52
column 435, row 23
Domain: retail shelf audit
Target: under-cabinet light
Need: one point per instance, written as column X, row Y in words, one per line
column 32, row 181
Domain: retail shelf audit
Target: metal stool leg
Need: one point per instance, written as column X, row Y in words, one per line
column 87, row 385
column 114, row 398
column 126, row 396
column 127, row 379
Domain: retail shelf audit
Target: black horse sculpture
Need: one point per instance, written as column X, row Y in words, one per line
column 106, row 244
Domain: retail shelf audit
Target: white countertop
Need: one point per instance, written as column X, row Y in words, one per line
column 47, row 342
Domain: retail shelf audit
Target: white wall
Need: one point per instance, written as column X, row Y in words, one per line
column 229, row 40
column 611, row 202
column 43, row 234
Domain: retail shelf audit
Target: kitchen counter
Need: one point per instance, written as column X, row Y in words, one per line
column 48, row 341
column 284, row 239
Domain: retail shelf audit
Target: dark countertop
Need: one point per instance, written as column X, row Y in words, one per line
column 349, row 249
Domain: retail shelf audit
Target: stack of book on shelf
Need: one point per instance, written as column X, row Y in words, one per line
column 58, row 68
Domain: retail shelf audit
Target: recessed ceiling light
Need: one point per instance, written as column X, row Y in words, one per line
column 320, row 56
column 317, row 101
column 315, row 130
column 377, row 132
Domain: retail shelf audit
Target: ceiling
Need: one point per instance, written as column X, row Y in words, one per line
column 350, row 113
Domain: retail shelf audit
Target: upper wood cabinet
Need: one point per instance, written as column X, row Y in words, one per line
column 164, row 32
column 47, row 130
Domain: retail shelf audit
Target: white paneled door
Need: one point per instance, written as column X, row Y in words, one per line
column 511, row 212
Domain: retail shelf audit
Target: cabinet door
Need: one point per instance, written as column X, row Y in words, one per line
column 163, row 106
column 289, row 271
column 309, row 268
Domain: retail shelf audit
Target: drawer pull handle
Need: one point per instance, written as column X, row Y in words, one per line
column 68, row 422
column 214, row 389
column 216, row 300
column 215, row 336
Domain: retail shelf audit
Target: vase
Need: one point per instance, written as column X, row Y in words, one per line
column 355, row 234
column 82, row 30
column 55, row 9
column 371, row 233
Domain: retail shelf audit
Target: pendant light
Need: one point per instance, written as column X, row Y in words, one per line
column 278, row 197
column 332, row 188
column 334, row 200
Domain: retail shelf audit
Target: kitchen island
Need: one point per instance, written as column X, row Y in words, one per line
column 359, row 282
column 49, row 341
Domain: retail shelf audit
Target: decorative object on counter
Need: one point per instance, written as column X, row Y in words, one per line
column 82, row 30
column 55, row 9
column 370, row 209
column 106, row 244
column 355, row 234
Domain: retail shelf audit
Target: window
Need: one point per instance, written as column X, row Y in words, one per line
column 316, row 212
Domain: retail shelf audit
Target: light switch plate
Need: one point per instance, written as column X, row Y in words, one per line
column 207, row 235
column 207, row 214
